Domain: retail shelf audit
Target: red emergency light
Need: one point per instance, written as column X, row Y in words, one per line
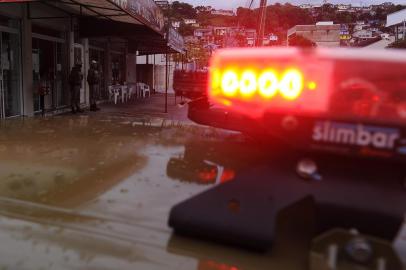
column 343, row 82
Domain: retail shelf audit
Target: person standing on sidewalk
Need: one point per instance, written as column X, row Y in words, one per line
column 75, row 81
column 93, row 79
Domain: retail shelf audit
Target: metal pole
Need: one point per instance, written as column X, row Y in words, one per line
column 396, row 33
column 404, row 26
column 262, row 18
column 166, row 83
column 2, row 109
column 153, row 76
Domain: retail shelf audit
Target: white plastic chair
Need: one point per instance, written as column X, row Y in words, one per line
column 139, row 90
column 124, row 93
column 146, row 90
column 130, row 92
column 113, row 94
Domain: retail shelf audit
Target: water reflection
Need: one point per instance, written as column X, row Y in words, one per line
column 198, row 171
column 65, row 161
column 69, row 161
column 212, row 265
column 209, row 162
column 108, row 177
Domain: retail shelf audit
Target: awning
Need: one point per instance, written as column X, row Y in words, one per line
column 141, row 22
column 144, row 12
column 397, row 18
column 139, row 38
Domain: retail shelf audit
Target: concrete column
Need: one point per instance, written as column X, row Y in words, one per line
column 28, row 80
column 107, row 64
column 153, row 74
column 135, row 68
column 86, row 65
column 71, row 40
column 126, row 67
column 396, row 33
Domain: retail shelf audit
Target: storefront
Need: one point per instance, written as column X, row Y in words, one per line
column 97, row 53
column 49, row 58
column 33, row 61
column 118, row 67
column 10, row 67
column 40, row 42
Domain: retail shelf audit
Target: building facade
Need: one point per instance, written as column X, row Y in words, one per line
column 41, row 41
column 324, row 35
column 397, row 21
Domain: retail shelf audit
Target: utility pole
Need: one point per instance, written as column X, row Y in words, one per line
column 404, row 29
column 166, row 80
column 261, row 26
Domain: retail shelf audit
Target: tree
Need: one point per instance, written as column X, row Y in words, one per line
column 300, row 41
column 179, row 11
column 278, row 20
column 198, row 54
column 186, row 29
column 241, row 40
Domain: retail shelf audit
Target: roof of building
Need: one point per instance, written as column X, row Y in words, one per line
column 396, row 18
column 325, row 23
column 313, row 28
column 143, row 25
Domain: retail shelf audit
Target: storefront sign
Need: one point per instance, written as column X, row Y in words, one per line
column 175, row 40
column 146, row 9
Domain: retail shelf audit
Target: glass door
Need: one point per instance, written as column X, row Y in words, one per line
column 49, row 62
column 44, row 73
column 1, row 88
column 80, row 58
column 60, row 95
column 98, row 55
column 10, row 74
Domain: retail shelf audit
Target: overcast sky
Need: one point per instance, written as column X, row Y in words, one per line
column 233, row 4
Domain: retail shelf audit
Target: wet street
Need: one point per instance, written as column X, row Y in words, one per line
column 86, row 188
column 94, row 191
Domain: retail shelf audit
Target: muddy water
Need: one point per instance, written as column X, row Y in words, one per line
column 95, row 192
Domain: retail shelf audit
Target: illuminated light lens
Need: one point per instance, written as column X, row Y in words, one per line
column 268, row 84
column 248, row 84
column 291, row 85
column 229, row 83
column 227, row 103
column 312, row 86
column 216, row 81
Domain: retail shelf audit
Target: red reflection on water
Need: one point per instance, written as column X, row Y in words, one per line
column 212, row 265
column 208, row 176
column 227, row 176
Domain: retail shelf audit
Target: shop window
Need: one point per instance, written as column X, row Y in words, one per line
column 118, row 68
column 99, row 56
column 10, row 71
column 49, row 74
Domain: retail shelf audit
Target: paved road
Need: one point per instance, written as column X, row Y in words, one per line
column 382, row 44
column 148, row 107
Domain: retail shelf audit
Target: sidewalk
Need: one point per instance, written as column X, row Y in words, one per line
column 148, row 107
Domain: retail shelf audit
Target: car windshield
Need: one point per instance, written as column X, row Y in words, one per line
column 228, row 135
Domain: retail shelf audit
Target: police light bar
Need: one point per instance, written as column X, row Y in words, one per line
column 337, row 83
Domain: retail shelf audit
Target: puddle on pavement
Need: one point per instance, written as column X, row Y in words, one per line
column 68, row 161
